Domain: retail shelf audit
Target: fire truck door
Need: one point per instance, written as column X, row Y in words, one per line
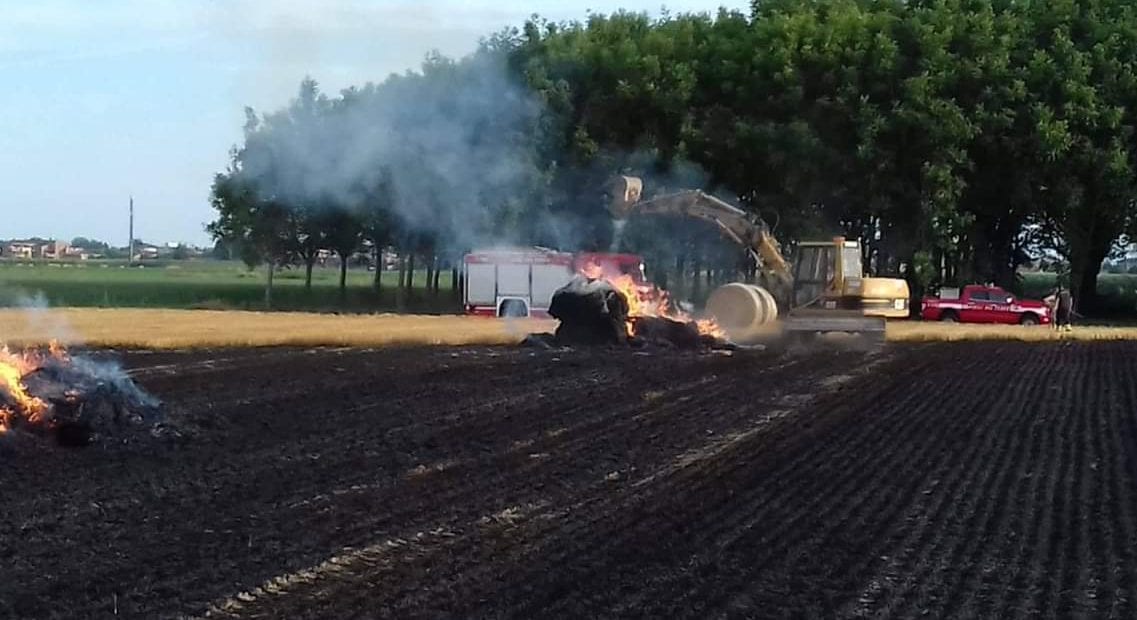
column 546, row 280
column 481, row 287
column 513, row 280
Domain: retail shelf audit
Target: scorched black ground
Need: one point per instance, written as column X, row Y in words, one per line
column 994, row 480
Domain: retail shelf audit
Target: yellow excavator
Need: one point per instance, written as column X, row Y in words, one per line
column 823, row 289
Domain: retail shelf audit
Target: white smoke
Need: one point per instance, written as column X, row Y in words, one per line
column 40, row 323
column 454, row 149
column 111, row 372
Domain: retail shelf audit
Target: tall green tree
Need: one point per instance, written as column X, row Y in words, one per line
column 952, row 137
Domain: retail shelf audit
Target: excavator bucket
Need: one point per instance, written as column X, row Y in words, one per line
column 623, row 193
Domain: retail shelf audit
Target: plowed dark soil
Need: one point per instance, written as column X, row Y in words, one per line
column 965, row 480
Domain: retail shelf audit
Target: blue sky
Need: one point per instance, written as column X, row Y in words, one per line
column 107, row 99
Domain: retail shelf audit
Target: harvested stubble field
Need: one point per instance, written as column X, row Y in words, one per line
column 175, row 329
column 967, row 479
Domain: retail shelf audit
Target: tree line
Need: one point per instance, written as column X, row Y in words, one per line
column 957, row 139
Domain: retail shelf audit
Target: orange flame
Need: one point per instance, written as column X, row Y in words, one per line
column 13, row 369
column 648, row 300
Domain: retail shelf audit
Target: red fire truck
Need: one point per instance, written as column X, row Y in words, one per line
column 520, row 282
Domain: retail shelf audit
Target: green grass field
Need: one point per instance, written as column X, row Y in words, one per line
column 207, row 284
column 222, row 285
column 158, row 328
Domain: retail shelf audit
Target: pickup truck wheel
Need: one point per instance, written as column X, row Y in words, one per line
column 949, row 317
column 1028, row 319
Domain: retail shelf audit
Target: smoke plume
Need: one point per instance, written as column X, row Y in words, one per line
column 447, row 152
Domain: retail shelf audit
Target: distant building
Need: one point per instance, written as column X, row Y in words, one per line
column 73, row 252
column 25, row 250
column 29, row 249
column 53, row 250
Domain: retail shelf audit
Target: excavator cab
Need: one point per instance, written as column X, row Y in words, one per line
column 827, row 274
column 830, row 276
column 828, row 291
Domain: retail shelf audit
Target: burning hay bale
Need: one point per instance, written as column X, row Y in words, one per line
column 590, row 312
column 597, row 310
column 76, row 400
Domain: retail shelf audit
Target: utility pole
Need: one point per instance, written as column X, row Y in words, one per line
column 130, row 254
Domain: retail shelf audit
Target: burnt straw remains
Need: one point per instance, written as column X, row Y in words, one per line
column 595, row 311
column 75, row 400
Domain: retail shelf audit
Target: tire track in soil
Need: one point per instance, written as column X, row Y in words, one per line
column 1054, row 599
column 1120, row 506
column 1098, row 583
column 835, row 500
column 476, row 486
column 590, row 527
column 1128, row 440
column 836, row 532
column 1098, row 580
column 1047, row 519
column 1020, row 516
column 627, row 421
column 606, row 537
column 993, row 382
column 741, row 511
column 989, row 382
column 824, row 492
column 896, row 573
column 958, row 576
column 1034, row 522
column 338, row 444
column 598, row 512
column 985, row 587
column 1077, row 578
column 90, row 567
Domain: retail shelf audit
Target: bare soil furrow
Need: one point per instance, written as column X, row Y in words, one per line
column 933, row 528
column 968, row 566
column 960, row 480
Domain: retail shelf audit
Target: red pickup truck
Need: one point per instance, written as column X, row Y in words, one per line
column 983, row 304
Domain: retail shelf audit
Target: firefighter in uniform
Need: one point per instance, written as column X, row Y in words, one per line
column 1062, row 308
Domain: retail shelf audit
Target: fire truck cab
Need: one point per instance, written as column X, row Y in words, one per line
column 631, row 265
column 520, row 282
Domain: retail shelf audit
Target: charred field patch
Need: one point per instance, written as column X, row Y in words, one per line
column 992, row 479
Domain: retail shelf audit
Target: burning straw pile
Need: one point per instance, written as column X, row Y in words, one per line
column 76, row 400
column 596, row 308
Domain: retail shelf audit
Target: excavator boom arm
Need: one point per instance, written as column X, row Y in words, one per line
column 742, row 227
